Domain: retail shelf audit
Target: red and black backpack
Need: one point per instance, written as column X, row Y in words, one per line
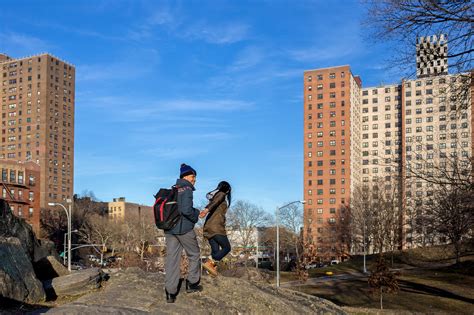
column 165, row 208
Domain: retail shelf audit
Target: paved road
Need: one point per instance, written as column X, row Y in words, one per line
column 310, row 281
column 345, row 276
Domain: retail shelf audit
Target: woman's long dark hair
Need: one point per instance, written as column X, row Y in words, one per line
column 222, row 187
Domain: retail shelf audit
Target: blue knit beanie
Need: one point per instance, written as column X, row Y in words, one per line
column 186, row 170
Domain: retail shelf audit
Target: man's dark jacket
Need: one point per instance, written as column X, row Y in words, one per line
column 189, row 215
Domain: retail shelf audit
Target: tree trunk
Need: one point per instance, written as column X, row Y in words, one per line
column 457, row 249
column 381, row 295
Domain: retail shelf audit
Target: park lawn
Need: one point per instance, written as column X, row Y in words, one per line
column 426, row 291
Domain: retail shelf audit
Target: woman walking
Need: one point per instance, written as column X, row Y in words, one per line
column 214, row 227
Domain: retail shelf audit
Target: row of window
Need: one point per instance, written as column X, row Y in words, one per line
column 320, row 96
column 331, row 75
column 332, row 191
column 375, row 170
column 332, row 85
column 320, row 182
column 16, row 177
column 19, row 211
column 332, row 133
column 331, row 172
column 320, row 211
column 331, row 153
column 320, row 114
column 321, row 105
column 331, row 124
column 331, row 162
column 332, row 143
column 375, row 91
column 17, row 195
column 332, row 201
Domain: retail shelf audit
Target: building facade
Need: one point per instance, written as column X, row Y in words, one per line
column 331, row 153
column 37, row 108
column 120, row 209
column 382, row 136
column 21, row 189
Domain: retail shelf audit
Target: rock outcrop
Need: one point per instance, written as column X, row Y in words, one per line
column 134, row 291
column 17, row 277
column 20, row 250
column 76, row 283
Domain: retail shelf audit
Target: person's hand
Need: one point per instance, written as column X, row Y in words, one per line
column 203, row 213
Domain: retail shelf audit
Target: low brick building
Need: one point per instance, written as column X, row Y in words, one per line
column 21, row 189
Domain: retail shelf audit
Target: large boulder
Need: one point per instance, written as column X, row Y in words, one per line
column 49, row 267
column 12, row 226
column 76, row 283
column 17, row 277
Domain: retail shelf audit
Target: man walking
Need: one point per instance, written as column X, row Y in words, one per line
column 181, row 236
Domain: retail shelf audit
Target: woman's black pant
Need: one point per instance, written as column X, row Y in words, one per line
column 220, row 246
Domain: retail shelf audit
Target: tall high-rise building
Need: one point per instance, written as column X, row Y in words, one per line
column 37, row 108
column 356, row 136
column 331, row 153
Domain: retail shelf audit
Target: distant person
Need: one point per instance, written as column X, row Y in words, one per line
column 181, row 236
column 214, row 227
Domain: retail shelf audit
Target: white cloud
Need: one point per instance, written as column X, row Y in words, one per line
column 142, row 63
column 176, row 22
column 217, row 34
column 178, row 106
column 20, row 45
column 247, row 58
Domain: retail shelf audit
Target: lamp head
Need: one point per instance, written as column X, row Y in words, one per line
column 52, row 204
column 303, row 201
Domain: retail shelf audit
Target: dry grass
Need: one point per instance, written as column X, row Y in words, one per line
column 429, row 283
column 421, row 290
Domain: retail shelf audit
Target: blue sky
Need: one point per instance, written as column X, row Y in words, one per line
column 214, row 84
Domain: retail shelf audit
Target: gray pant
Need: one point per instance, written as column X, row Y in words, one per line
column 174, row 248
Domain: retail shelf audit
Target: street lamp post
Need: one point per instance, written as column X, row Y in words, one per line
column 278, row 237
column 69, row 224
column 365, row 268
column 65, row 246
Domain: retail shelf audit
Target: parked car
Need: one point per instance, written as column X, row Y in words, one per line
column 334, row 262
column 315, row 265
column 77, row 266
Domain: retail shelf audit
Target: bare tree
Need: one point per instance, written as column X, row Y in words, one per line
column 292, row 219
column 98, row 232
column 376, row 220
column 243, row 219
column 402, row 21
column 450, row 212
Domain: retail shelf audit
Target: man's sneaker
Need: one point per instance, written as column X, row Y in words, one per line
column 170, row 298
column 193, row 287
column 210, row 266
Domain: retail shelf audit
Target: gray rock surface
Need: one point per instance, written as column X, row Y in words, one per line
column 17, row 277
column 12, row 226
column 48, row 268
column 136, row 292
column 76, row 283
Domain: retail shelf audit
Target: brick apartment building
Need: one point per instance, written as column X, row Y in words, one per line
column 120, row 209
column 20, row 188
column 356, row 135
column 37, row 108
